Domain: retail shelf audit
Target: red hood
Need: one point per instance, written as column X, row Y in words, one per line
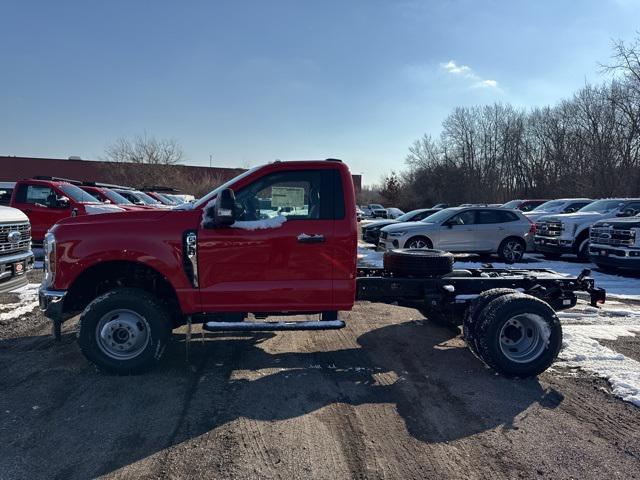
column 126, row 216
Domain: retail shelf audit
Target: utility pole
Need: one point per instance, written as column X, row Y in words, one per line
column 210, row 158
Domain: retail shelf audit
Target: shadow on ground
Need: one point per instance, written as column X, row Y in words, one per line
column 63, row 419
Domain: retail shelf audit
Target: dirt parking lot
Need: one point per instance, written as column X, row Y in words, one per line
column 389, row 396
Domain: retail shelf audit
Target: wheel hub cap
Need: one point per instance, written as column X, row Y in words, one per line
column 524, row 338
column 122, row 334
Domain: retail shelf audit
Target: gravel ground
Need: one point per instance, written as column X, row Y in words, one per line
column 389, row 396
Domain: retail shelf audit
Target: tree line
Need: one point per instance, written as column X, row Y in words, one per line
column 587, row 145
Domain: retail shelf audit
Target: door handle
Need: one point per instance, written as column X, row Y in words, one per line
column 304, row 238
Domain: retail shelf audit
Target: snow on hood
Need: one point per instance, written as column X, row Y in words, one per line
column 576, row 217
column 95, row 209
column 8, row 214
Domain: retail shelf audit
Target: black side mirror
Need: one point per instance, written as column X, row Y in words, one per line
column 224, row 208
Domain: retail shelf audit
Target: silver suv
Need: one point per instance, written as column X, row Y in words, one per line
column 482, row 230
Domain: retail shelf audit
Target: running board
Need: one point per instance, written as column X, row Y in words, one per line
column 271, row 326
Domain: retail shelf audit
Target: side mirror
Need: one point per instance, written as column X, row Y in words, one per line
column 224, row 208
column 629, row 212
column 62, row 202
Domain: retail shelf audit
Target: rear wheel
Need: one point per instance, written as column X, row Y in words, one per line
column 124, row 331
column 583, row 250
column 511, row 250
column 418, row 242
column 518, row 335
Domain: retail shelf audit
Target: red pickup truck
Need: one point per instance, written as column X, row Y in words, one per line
column 47, row 200
column 279, row 239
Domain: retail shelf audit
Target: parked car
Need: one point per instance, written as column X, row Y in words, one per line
column 47, row 200
column 109, row 196
column 377, row 210
column 615, row 243
column 564, row 233
column 561, row 205
column 393, row 212
column 371, row 231
column 460, row 229
column 359, row 214
column 523, row 205
column 6, row 189
column 140, row 198
column 16, row 258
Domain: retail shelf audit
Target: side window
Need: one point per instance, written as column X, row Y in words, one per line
column 632, row 206
column 489, row 216
column 421, row 216
column 575, row 206
column 36, row 195
column 464, row 218
column 298, row 195
column 508, row 217
column 5, row 196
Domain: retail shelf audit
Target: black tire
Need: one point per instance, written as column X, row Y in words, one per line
column 473, row 313
column 544, row 331
column 134, row 308
column 512, row 249
column 551, row 256
column 419, row 263
column 419, row 242
column 582, row 250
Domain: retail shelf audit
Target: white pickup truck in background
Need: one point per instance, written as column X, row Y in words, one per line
column 16, row 258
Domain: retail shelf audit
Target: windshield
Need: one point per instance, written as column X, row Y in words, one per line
column 602, row 206
column 512, row 204
column 409, row 215
column 165, row 197
column 146, row 198
column 116, row 198
column 77, row 194
column 215, row 192
column 440, row 216
column 549, row 205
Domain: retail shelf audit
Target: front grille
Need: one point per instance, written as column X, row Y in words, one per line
column 612, row 236
column 383, row 235
column 549, row 229
column 21, row 245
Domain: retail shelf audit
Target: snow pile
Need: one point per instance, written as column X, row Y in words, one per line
column 28, row 300
column 582, row 350
column 92, row 209
column 274, row 222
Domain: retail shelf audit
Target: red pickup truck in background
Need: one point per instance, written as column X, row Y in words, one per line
column 47, row 200
column 280, row 239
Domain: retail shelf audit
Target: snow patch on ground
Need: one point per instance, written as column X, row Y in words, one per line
column 28, row 300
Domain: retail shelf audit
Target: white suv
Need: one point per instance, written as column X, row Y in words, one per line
column 475, row 229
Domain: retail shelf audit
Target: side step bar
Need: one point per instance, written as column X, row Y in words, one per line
column 271, row 326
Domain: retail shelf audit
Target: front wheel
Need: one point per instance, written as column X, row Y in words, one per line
column 419, row 242
column 511, row 250
column 124, row 331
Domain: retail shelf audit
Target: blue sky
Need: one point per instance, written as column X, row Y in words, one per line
column 252, row 81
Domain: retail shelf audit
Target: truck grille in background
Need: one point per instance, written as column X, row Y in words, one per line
column 383, row 235
column 549, row 229
column 22, row 245
column 612, row 236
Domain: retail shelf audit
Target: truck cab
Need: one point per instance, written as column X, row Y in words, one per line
column 47, row 200
column 278, row 239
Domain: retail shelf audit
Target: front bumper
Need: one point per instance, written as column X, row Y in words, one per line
column 552, row 244
column 10, row 277
column 615, row 256
column 51, row 303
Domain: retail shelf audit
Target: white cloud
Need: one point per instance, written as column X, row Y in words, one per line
column 467, row 72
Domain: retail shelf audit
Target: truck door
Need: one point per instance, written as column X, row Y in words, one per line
column 39, row 203
column 278, row 255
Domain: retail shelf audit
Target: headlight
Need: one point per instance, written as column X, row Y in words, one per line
column 49, row 247
column 397, row 234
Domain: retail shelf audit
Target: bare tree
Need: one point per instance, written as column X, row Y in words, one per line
column 145, row 149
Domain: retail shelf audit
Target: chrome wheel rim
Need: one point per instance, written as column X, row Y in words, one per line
column 524, row 338
column 418, row 244
column 512, row 251
column 122, row 334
